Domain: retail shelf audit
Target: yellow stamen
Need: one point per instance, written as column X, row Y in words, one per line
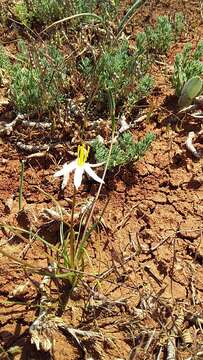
column 82, row 154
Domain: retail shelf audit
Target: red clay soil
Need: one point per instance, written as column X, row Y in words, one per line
column 144, row 280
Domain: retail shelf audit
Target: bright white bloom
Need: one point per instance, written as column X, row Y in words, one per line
column 79, row 166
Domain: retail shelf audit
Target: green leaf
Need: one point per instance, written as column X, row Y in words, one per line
column 190, row 90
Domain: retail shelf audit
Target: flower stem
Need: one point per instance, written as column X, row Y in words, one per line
column 86, row 233
column 72, row 234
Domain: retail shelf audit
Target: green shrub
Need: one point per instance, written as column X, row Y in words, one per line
column 144, row 87
column 5, row 64
column 158, row 39
column 179, row 24
column 48, row 11
column 113, row 68
column 86, row 66
column 187, row 65
column 37, row 78
column 21, row 12
column 120, row 71
column 124, row 151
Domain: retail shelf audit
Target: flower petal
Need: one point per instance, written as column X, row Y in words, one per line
column 97, row 164
column 65, row 172
column 92, row 174
column 78, row 176
column 59, row 173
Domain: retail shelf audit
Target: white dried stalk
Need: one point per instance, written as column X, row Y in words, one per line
column 171, row 348
column 42, row 328
column 36, row 125
column 19, row 290
column 159, row 354
column 20, row 119
column 197, row 115
column 37, row 155
column 171, row 345
column 189, row 144
column 149, row 340
column 124, row 125
column 198, row 355
column 52, row 214
column 8, row 128
column 77, row 332
column 43, row 147
column 31, row 148
column 187, row 109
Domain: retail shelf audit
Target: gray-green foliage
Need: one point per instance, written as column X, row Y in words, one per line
column 159, row 38
column 144, row 87
column 119, row 69
column 5, row 64
column 48, row 11
column 179, row 24
column 187, row 65
column 44, row 11
column 36, row 78
column 113, row 68
column 86, row 66
column 22, row 13
column 124, row 151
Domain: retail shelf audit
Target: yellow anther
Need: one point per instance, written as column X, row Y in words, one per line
column 82, row 154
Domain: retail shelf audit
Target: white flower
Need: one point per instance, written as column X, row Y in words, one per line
column 79, row 166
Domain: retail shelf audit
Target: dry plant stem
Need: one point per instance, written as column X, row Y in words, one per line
column 42, row 147
column 35, row 328
column 77, row 332
column 159, row 354
column 190, row 146
column 171, row 348
column 8, row 128
column 171, row 345
column 20, row 119
column 199, row 356
column 149, row 341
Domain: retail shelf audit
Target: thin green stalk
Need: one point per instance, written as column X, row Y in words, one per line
column 70, row 18
column 72, row 233
column 129, row 14
column 71, row 280
column 22, row 168
column 86, row 233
